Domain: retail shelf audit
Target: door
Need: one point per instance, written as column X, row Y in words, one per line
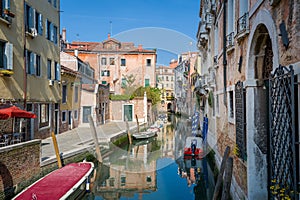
column 30, row 123
column 70, row 119
column 87, row 110
column 128, row 112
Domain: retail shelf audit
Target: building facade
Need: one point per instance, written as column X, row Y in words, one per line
column 70, row 101
column 250, row 57
column 119, row 64
column 29, row 61
column 165, row 82
column 183, row 88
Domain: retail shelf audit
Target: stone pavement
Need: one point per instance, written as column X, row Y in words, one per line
column 80, row 139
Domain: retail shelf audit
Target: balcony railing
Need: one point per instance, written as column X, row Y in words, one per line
column 230, row 40
column 243, row 24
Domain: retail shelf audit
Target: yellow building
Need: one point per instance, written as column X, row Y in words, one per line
column 29, row 61
column 70, row 102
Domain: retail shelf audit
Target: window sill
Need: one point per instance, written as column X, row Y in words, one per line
column 6, row 21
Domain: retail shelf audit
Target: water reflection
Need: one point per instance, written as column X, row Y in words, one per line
column 153, row 169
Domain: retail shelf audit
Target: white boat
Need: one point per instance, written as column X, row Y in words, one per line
column 144, row 135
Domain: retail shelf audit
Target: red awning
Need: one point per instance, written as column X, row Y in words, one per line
column 14, row 111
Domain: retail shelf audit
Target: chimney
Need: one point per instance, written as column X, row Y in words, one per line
column 64, row 34
column 140, row 47
column 76, row 53
column 108, row 35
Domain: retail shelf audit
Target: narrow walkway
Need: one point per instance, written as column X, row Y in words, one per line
column 80, row 139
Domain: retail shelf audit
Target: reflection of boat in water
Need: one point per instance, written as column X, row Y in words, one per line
column 193, row 147
column 67, row 182
column 143, row 142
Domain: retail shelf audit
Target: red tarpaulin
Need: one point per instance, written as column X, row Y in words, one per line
column 14, row 111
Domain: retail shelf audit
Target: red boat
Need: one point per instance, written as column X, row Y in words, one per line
column 67, row 182
column 193, row 147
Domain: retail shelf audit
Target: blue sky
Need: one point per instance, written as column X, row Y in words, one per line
column 170, row 26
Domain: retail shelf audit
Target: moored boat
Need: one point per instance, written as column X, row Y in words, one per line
column 68, row 182
column 144, row 135
column 193, row 147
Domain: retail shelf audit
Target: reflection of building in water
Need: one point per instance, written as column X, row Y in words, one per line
column 128, row 172
column 168, row 141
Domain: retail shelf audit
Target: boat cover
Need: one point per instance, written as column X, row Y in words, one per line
column 56, row 184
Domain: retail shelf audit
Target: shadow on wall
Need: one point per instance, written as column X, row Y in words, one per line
column 7, row 180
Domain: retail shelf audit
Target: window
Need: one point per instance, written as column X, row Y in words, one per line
column 33, row 63
column 147, row 82
column 64, row 94
column 123, row 62
column 105, row 73
column 230, row 106
column 51, row 32
column 112, row 61
column 55, row 3
column 57, row 71
column 54, row 34
column 4, row 5
column 30, row 62
column 6, row 56
column 39, row 23
column 111, row 182
column 230, row 16
column 76, row 94
column 103, row 61
column 49, row 69
column 123, row 180
column 124, row 83
column 75, row 114
column 38, row 65
column 148, row 62
column 44, row 115
column 64, row 116
column 47, row 29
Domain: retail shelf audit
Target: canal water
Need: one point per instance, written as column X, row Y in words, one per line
column 154, row 169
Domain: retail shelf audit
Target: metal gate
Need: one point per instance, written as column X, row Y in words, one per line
column 240, row 121
column 282, row 154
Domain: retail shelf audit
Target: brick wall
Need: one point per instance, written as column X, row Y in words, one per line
column 18, row 164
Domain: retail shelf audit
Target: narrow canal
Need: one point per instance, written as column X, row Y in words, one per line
column 154, row 169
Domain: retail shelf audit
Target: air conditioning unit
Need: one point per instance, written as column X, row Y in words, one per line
column 51, row 82
column 33, row 32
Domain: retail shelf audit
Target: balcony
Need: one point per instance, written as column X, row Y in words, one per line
column 209, row 21
column 230, row 42
column 243, row 26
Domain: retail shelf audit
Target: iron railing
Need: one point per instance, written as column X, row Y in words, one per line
column 282, row 152
column 243, row 23
column 240, row 121
column 230, row 40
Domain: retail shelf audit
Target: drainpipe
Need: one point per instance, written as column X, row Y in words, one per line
column 224, row 51
column 24, row 72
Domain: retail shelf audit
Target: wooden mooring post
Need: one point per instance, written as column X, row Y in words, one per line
column 95, row 138
column 128, row 131
column 55, row 145
column 221, row 172
column 227, row 179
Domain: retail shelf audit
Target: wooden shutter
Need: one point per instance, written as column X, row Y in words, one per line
column 8, row 52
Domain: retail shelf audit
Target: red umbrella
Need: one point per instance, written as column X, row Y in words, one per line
column 14, row 111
